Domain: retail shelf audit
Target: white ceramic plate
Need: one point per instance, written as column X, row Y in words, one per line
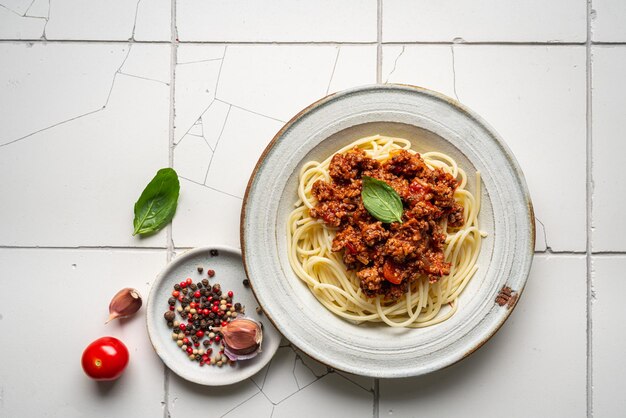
column 229, row 273
column 432, row 122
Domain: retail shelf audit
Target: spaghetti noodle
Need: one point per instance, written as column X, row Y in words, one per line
column 425, row 302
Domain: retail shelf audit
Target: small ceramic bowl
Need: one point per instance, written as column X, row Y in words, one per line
column 432, row 122
column 229, row 273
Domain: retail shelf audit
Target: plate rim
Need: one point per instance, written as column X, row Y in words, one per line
column 507, row 153
column 150, row 320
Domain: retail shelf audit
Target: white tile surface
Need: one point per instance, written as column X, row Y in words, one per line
column 609, row 110
column 65, row 305
column 263, row 79
column 93, row 120
column 609, row 337
column 607, row 23
column 236, row 99
column 75, row 183
column 330, row 396
column 534, row 366
column 535, row 98
column 205, row 216
column 153, row 20
column 15, row 25
column 487, row 20
column 282, row 20
column 109, row 20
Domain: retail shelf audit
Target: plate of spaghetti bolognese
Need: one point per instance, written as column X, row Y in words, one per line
column 387, row 231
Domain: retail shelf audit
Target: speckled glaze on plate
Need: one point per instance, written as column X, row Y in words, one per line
column 229, row 273
column 432, row 122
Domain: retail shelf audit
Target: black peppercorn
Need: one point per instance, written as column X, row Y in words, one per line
column 200, row 269
column 212, row 315
column 198, row 357
column 206, row 343
column 176, row 329
column 176, row 286
column 169, row 316
column 237, row 306
column 193, row 286
column 170, row 324
column 246, row 282
column 171, row 301
column 185, row 290
column 194, row 339
column 214, row 252
column 205, row 282
column 199, row 285
column 259, row 310
column 219, row 293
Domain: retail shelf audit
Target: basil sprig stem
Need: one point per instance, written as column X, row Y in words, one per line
column 381, row 200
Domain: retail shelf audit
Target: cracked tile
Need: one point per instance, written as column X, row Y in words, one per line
column 39, row 74
column 317, row 368
column 243, row 139
column 197, row 129
column 195, row 90
column 191, row 158
column 59, row 385
column 16, row 26
column 541, row 243
column 17, row 6
column 330, row 396
column 191, row 53
column 205, row 216
column 609, row 337
column 259, row 378
column 88, row 171
column 213, row 121
column 609, row 102
column 153, row 20
column 281, row 381
column 540, row 351
column 39, row 8
column 278, row 81
column 424, row 66
column 189, row 399
column 607, row 23
column 489, row 20
column 98, row 20
column 367, row 383
column 257, row 406
column 282, row 20
column 355, row 66
column 303, row 375
column 151, row 61
column 535, row 98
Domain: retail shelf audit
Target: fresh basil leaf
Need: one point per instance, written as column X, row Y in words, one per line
column 157, row 204
column 381, row 200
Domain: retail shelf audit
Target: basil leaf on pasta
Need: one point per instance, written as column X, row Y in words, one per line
column 381, row 200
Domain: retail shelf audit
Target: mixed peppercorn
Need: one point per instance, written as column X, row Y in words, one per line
column 195, row 309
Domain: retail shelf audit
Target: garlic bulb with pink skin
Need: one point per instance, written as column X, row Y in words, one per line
column 242, row 338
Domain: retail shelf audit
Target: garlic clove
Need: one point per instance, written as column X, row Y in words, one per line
column 125, row 303
column 242, row 338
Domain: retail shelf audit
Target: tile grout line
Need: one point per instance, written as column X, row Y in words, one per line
column 379, row 42
column 304, row 43
column 172, row 122
column 379, row 80
column 589, row 220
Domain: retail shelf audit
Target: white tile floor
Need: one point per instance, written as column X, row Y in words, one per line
column 96, row 96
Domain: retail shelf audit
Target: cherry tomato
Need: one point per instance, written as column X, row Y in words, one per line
column 105, row 358
column 392, row 272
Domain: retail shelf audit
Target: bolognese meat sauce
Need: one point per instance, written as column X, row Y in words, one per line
column 387, row 257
